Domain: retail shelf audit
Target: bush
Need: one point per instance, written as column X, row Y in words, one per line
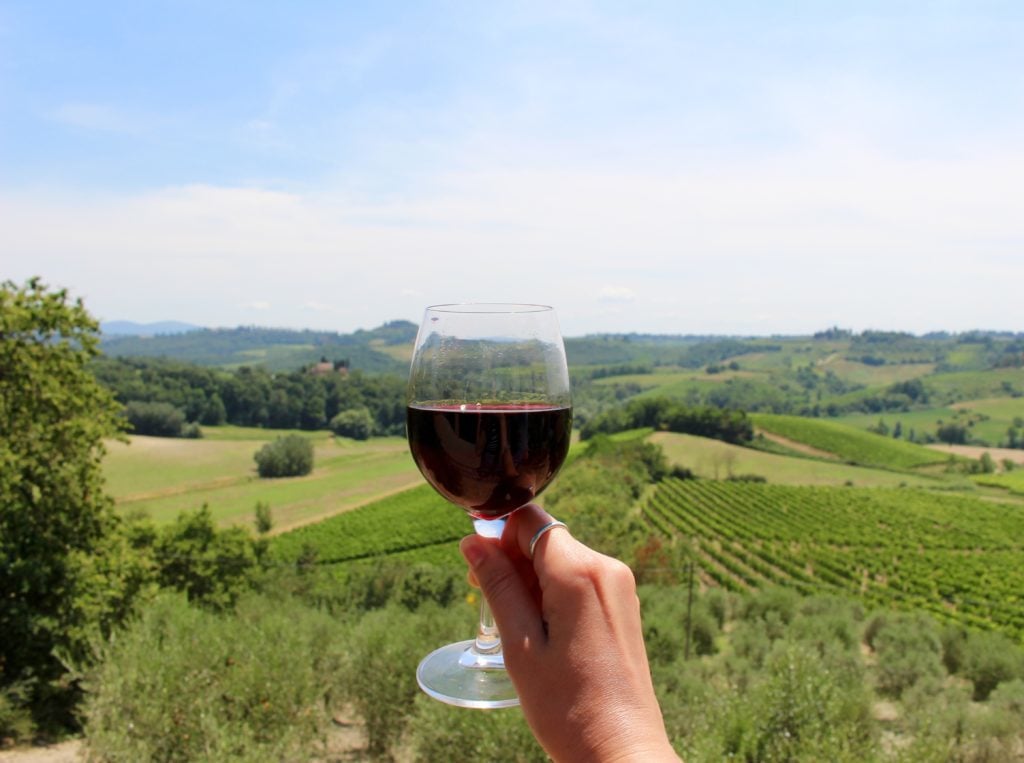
column 989, row 660
column 183, row 684
column 288, row 456
column 154, row 419
column 211, row 566
column 383, row 650
column 442, row 732
column 665, row 624
column 909, row 651
column 356, row 423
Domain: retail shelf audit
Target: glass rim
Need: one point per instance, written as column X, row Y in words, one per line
column 484, row 308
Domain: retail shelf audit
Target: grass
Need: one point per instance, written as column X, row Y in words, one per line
column 976, row 385
column 1012, row 481
column 848, row 443
column 671, row 377
column 875, row 376
column 163, row 477
column 232, row 432
column 987, row 419
column 716, row 459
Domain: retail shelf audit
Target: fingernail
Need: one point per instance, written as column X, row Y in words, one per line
column 472, row 550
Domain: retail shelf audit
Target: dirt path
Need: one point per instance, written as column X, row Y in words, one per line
column 975, row 451
column 799, row 447
column 65, row 752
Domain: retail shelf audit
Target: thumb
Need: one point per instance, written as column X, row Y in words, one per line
column 510, row 597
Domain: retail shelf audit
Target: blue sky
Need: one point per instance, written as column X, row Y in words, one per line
column 674, row 167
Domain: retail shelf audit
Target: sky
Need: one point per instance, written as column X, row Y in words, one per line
column 662, row 167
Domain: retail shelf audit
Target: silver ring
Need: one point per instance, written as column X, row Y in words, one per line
column 544, row 528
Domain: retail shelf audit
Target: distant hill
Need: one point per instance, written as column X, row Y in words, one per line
column 130, row 328
column 383, row 349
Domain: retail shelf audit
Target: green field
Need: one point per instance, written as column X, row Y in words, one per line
column 1012, row 481
column 847, row 443
column 163, row 477
column 713, row 459
column 953, row 556
column 986, row 419
column 874, row 376
column 415, row 519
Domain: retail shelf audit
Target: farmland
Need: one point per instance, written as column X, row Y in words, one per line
column 849, row 445
column 162, row 477
column 886, row 574
column 712, row 459
column 953, row 556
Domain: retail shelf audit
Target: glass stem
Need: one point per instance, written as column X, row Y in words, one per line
column 488, row 640
column 485, row 653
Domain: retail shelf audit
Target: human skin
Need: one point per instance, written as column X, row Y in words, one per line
column 573, row 644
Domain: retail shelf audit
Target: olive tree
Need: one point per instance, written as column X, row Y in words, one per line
column 54, row 513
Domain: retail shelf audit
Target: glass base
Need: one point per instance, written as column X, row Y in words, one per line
column 457, row 675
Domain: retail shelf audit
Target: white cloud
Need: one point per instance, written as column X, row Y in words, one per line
column 786, row 244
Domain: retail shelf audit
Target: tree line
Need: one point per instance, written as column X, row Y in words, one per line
column 725, row 424
column 251, row 396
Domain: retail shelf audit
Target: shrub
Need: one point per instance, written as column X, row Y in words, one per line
column 211, row 565
column 154, row 419
column 183, row 684
column 442, row 732
column 665, row 631
column 288, row 456
column 356, row 423
column 990, row 659
column 909, row 651
column 383, row 650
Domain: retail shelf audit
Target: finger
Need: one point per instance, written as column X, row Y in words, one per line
column 553, row 547
column 512, row 602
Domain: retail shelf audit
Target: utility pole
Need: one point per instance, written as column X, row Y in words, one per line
column 689, row 614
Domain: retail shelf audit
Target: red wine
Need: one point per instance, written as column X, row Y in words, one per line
column 492, row 459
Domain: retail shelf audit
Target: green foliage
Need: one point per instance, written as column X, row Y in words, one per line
column 437, row 731
column 288, row 456
column 848, row 443
column 156, row 419
column 54, row 514
column 380, row 665
column 264, row 521
column 251, row 396
column 784, row 689
column 356, row 423
column 989, row 660
column 596, row 495
column 666, row 620
column 663, row 413
column 412, row 519
column 901, row 548
column 213, row 567
column 184, row 684
column 909, row 651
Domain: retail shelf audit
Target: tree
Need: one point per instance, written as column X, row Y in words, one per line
column 356, row 423
column 954, row 434
column 54, row 513
column 156, row 419
column 288, row 456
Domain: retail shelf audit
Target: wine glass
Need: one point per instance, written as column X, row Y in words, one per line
column 489, row 418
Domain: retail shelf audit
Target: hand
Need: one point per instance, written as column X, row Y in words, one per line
column 571, row 634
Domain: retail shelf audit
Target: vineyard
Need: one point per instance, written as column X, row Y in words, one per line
column 414, row 520
column 849, row 444
column 959, row 558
